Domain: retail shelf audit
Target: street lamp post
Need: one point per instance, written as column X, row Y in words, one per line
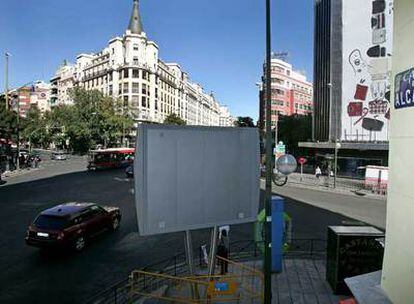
column 337, row 145
column 6, row 80
column 268, row 191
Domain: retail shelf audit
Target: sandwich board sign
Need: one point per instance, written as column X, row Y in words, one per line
column 192, row 177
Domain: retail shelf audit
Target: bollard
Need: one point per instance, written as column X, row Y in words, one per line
column 277, row 232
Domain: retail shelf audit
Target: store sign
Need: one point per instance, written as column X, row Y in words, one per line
column 404, row 89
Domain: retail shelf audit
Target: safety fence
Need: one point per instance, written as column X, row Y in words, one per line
column 154, row 278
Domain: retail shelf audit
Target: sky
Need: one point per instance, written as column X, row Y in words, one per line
column 219, row 43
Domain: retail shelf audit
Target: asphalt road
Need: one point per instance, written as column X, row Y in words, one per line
column 28, row 275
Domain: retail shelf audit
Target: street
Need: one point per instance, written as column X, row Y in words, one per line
column 31, row 276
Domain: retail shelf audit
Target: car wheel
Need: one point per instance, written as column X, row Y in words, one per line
column 115, row 224
column 79, row 243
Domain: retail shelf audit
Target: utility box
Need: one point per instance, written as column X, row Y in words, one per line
column 352, row 251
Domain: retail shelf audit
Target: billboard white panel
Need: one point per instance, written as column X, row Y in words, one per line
column 195, row 177
column 367, row 49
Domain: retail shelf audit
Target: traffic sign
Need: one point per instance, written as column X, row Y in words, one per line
column 302, row 160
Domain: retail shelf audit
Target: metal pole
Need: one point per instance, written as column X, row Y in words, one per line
column 190, row 262
column 268, row 192
column 6, row 81
column 335, row 161
column 213, row 250
column 18, row 129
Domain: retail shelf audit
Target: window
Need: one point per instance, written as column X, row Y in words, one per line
column 120, row 88
column 110, row 76
column 135, row 60
column 51, row 222
column 113, row 51
column 135, row 47
column 135, row 87
column 144, row 101
column 144, row 75
column 135, row 73
column 134, row 101
column 125, row 73
column 125, row 88
column 144, row 89
column 110, row 92
column 125, row 101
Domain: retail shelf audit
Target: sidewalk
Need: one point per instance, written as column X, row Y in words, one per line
column 343, row 185
column 9, row 174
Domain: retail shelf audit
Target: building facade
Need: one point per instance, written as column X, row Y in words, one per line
column 130, row 69
column 353, row 47
column 26, row 97
column 291, row 93
column 352, row 68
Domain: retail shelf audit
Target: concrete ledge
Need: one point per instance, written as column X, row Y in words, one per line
column 366, row 288
column 379, row 146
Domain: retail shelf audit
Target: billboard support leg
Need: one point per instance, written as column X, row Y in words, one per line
column 190, row 261
column 213, row 250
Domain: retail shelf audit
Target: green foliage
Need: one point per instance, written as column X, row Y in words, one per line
column 8, row 121
column 244, row 121
column 294, row 129
column 174, row 119
column 33, row 128
column 92, row 119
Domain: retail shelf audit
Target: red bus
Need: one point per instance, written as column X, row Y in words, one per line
column 110, row 158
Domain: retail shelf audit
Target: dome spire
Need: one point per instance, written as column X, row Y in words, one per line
column 135, row 25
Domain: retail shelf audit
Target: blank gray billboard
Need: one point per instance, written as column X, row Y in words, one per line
column 195, row 177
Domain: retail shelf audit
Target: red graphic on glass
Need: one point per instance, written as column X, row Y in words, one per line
column 365, row 112
column 354, row 109
column 361, row 92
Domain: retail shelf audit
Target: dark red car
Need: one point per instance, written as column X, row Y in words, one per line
column 71, row 225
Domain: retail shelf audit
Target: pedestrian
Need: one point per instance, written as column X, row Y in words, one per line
column 223, row 252
column 318, row 172
column 36, row 161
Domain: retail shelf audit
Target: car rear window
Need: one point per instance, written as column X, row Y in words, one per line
column 51, row 222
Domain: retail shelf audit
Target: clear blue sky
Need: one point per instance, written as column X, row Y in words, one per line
column 220, row 43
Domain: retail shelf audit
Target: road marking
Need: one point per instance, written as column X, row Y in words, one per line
column 121, row 179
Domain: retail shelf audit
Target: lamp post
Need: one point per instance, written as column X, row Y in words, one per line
column 337, row 145
column 268, row 191
column 6, row 79
column 18, row 123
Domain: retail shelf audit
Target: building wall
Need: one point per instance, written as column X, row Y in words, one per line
column 348, row 35
column 321, row 78
column 398, row 268
column 366, row 64
column 130, row 69
column 291, row 93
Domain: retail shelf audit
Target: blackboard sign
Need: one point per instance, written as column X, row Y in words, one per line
column 352, row 251
column 404, row 89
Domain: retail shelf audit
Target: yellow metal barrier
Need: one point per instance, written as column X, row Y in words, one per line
column 242, row 284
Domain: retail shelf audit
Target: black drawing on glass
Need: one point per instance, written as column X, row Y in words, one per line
column 357, row 62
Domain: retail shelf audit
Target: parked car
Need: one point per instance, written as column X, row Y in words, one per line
column 60, row 155
column 129, row 171
column 71, row 225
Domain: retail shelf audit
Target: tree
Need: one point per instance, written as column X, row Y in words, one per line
column 294, row 129
column 34, row 128
column 174, row 119
column 96, row 119
column 244, row 121
column 8, row 121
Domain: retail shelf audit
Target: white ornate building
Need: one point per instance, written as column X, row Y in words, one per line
column 129, row 68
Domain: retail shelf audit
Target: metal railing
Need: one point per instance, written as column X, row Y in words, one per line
column 239, row 251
